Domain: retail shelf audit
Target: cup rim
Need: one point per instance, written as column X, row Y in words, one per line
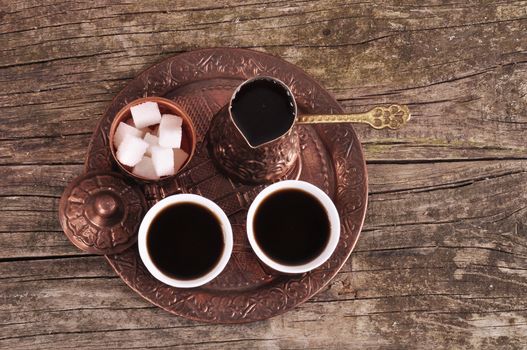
column 227, row 237
column 333, row 217
column 248, row 81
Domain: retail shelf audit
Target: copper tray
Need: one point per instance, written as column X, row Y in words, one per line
column 201, row 82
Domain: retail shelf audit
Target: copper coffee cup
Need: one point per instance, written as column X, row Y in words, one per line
column 255, row 162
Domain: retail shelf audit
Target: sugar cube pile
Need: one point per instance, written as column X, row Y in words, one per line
column 150, row 143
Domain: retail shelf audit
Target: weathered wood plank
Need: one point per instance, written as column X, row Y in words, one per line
column 53, row 300
column 42, row 180
column 36, row 243
column 459, row 277
column 42, row 151
column 410, row 62
column 492, row 125
column 442, row 261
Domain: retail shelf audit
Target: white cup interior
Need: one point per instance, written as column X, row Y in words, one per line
column 227, row 238
column 331, row 211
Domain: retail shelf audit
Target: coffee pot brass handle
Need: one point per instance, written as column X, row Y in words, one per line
column 392, row 117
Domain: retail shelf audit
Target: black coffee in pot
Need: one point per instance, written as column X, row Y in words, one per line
column 263, row 110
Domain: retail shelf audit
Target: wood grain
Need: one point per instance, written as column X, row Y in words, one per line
column 442, row 260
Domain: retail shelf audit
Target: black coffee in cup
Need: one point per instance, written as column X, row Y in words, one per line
column 263, row 110
column 185, row 240
column 291, row 226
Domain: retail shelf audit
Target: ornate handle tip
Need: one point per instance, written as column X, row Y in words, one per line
column 392, row 117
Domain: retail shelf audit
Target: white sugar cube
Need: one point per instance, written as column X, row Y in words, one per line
column 180, row 157
column 145, row 168
column 170, row 131
column 145, row 114
column 163, row 159
column 131, row 150
column 152, row 140
column 122, row 130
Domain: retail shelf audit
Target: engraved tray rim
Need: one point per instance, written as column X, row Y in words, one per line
column 252, row 64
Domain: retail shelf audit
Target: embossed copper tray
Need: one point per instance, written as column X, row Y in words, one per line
column 201, row 82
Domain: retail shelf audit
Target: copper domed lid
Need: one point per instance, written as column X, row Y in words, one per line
column 100, row 212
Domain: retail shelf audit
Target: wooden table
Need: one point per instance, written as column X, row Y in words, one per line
column 442, row 260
